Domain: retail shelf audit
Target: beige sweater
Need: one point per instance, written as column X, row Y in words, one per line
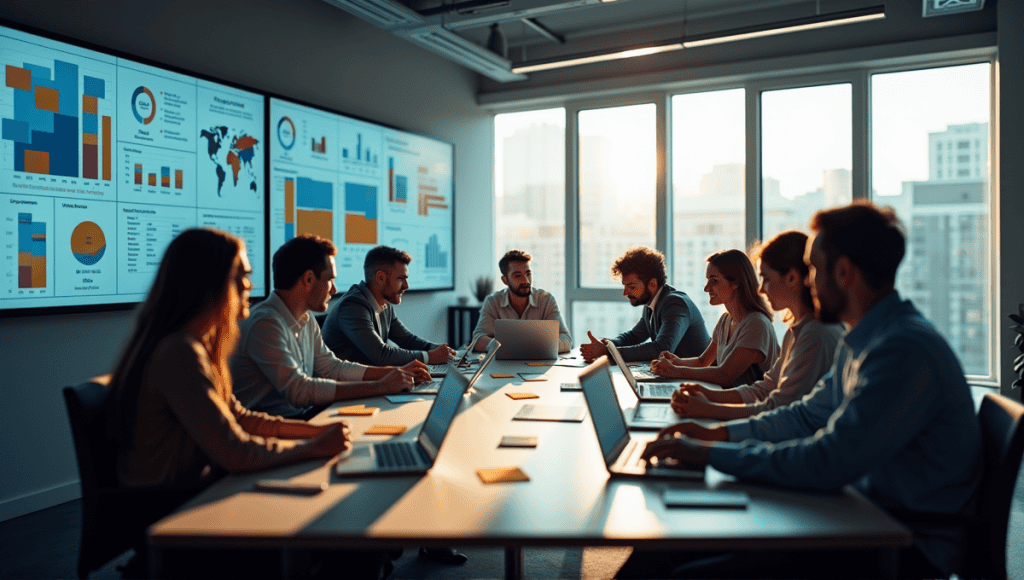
column 184, row 424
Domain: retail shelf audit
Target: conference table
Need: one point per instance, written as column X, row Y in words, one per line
column 569, row 499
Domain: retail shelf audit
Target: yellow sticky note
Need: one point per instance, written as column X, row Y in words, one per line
column 385, row 430
column 517, row 396
column 533, row 379
column 501, row 376
column 538, row 364
column 502, row 475
column 358, row 411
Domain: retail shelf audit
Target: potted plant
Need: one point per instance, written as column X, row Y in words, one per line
column 482, row 288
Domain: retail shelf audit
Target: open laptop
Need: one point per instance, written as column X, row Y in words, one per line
column 645, row 392
column 527, row 339
column 406, row 457
column 462, row 363
column 432, row 386
column 621, row 452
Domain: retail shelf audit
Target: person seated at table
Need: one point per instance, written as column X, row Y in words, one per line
column 359, row 327
column 519, row 300
column 670, row 320
column 807, row 347
column 282, row 366
column 893, row 417
column 743, row 345
column 172, row 412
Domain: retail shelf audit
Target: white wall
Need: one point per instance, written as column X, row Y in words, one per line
column 297, row 48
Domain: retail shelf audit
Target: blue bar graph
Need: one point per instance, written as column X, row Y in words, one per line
column 314, row 194
column 361, row 199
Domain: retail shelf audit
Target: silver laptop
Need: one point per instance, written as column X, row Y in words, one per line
column 645, row 392
column 621, row 452
column 405, row 457
column 432, row 386
column 527, row 339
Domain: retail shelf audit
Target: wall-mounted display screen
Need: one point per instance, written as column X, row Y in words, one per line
column 104, row 160
column 362, row 185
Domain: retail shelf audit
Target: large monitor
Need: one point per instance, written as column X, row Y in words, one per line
column 103, row 160
column 361, row 184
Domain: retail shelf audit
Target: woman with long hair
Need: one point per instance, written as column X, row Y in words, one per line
column 807, row 347
column 172, row 413
column 743, row 345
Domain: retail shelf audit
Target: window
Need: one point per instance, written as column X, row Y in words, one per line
column 709, row 181
column 949, row 274
column 529, row 186
column 806, row 154
column 925, row 153
column 617, row 166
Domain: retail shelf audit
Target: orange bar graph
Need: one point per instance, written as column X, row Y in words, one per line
column 89, row 104
column 38, row 271
column 19, row 78
column 179, row 179
column 314, row 221
column 152, row 179
column 90, row 139
column 106, row 148
column 359, row 230
column 289, row 201
column 47, row 99
column 37, row 162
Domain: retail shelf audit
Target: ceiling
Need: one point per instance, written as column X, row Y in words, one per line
column 539, row 30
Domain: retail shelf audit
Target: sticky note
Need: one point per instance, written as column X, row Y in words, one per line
column 538, row 364
column 518, row 441
column 502, row 475
column 501, row 376
column 517, row 396
column 385, row 430
column 358, row 411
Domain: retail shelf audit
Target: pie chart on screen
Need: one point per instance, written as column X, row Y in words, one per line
column 88, row 243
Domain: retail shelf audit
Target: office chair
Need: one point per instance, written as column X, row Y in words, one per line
column 1002, row 436
column 114, row 518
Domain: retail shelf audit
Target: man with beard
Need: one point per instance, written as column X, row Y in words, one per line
column 520, row 300
column 894, row 416
column 281, row 365
column 670, row 320
column 364, row 320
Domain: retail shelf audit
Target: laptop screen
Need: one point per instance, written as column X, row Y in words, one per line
column 599, row 391
column 626, row 372
column 442, row 412
column 491, row 349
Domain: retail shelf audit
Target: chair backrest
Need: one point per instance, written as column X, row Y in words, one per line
column 97, row 459
column 1002, row 434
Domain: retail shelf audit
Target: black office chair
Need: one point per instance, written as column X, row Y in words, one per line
column 114, row 518
column 1002, row 435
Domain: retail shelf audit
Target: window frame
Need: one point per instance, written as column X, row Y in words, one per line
column 858, row 75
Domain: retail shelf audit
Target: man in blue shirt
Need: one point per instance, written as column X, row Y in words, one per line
column 894, row 416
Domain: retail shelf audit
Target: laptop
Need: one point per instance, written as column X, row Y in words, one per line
column 646, row 392
column 432, row 386
column 410, row 457
column 621, row 452
column 527, row 339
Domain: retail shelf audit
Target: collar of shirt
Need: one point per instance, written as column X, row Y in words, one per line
column 654, row 300
column 505, row 303
column 277, row 303
column 369, row 296
column 882, row 311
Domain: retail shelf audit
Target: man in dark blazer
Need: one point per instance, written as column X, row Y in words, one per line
column 670, row 319
column 359, row 327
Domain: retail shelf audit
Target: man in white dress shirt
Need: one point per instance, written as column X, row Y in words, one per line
column 281, row 365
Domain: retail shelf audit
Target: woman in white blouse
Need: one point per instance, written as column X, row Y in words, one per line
column 743, row 345
column 807, row 347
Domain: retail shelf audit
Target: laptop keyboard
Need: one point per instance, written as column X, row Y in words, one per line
column 400, row 454
column 640, row 372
